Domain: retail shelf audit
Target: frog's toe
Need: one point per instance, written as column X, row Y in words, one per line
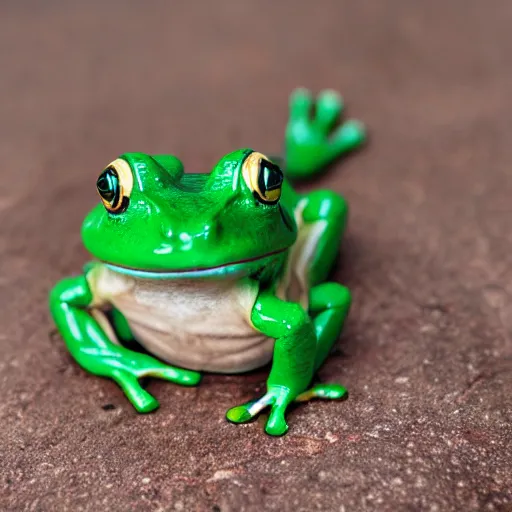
column 276, row 424
column 301, row 103
column 248, row 411
column 146, row 404
column 181, row 376
column 325, row 391
column 143, row 401
column 348, row 136
column 239, row 414
column 177, row 375
column 329, row 106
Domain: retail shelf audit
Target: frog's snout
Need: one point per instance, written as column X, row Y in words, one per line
column 183, row 240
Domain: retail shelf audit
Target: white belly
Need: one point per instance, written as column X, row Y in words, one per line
column 193, row 323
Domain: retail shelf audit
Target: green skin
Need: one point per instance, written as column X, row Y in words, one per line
column 223, row 232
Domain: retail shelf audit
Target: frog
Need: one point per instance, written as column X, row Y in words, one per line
column 220, row 272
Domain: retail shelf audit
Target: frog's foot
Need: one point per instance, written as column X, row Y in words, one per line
column 95, row 352
column 312, row 142
column 126, row 368
column 279, row 399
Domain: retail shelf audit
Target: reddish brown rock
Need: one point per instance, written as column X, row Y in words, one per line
column 427, row 352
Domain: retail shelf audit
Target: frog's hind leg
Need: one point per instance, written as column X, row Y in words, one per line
column 321, row 217
column 328, row 303
column 121, row 327
column 115, row 326
column 329, row 306
column 325, row 212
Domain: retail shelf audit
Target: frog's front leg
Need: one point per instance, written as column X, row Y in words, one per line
column 301, row 345
column 70, row 302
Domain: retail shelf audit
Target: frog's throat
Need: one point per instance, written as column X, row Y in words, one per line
column 228, row 269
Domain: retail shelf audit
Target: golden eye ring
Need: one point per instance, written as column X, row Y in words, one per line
column 115, row 185
column 263, row 177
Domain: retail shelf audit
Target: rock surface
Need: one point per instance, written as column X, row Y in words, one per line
column 427, row 352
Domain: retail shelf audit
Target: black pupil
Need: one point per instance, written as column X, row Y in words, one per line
column 270, row 176
column 108, row 186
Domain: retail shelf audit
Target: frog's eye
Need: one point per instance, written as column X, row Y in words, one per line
column 263, row 177
column 115, row 185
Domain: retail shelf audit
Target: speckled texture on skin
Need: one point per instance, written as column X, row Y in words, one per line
column 426, row 354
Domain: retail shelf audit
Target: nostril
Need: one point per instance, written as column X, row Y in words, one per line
column 219, row 229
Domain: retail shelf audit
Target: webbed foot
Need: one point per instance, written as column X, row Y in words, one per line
column 278, row 399
column 126, row 368
column 312, row 141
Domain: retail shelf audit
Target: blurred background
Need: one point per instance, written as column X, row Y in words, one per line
column 426, row 353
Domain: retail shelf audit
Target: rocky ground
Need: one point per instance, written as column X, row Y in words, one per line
column 427, row 352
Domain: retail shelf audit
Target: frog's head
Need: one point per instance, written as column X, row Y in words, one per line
column 156, row 221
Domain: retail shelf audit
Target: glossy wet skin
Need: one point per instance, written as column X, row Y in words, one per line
column 269, row 249
column 170, row 223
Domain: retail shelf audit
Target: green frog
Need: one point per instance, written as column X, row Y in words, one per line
column 218, row 272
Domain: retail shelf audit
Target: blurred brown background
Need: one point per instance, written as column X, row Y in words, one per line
column 427, row 351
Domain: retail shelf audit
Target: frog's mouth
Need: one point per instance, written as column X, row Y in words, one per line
column 237, row 268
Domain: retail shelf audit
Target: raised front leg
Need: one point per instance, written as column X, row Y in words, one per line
column 312, row 141
column 300, row 347
column 93, row 350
